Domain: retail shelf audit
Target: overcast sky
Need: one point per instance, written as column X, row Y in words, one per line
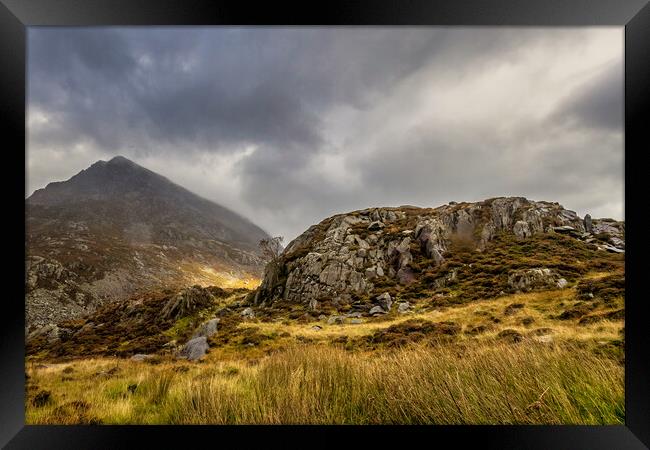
column 288, row 126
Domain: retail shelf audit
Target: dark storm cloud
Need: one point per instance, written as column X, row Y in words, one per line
column 123, row 88
column 144, row 94
column 290, row 125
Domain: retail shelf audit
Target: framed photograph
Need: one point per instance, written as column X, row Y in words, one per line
column 294, row 224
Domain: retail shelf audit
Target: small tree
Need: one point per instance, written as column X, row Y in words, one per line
column 271, row 248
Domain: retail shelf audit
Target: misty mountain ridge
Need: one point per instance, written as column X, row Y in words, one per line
column 117, row 227
column 138, row 192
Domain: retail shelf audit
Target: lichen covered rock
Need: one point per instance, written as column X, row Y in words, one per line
column 350, row 256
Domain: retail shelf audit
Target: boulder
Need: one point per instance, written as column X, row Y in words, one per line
column 141, row 357
column 403, row 307
column 588, row 224
column 385, row 301
column 376, row 310
column 207, row 329
column 376, row 226
column 564, row 229
column 371, row 272
column 194, row 348
column 248, row 313
column 338, row 320
column 534, row 279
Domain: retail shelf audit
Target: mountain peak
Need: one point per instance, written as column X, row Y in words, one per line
column 117, row 217
column 115, row 162
column 121, row 160
column 122, row 185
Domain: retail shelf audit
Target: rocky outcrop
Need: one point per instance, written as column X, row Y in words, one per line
column 346, row 255
column 532, row 279
column 138, row 325
column 186, row 301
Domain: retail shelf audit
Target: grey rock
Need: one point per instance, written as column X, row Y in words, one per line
column 371, row 272
column 194, row 348
column 588, row 224
column 403, row 307
column 562, row 283
column 338, row 320
column 375, row 226
column 248, row 313
column 534, row 279
column 356, row 321
column 141, row 357
column 207, row 329
column 521, row 229
column 385, row 301
column 316, row 328
column 376, row 310
column 405, row 275
column 617, row 242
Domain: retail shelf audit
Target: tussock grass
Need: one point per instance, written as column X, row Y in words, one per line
column 459, row 383
column 543, row 307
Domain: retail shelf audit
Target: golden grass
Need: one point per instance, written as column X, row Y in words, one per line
column 570, row 375
column 486, row 383
column 206, row 276
column 540, row 306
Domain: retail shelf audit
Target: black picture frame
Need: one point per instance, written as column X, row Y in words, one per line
column 16, row 15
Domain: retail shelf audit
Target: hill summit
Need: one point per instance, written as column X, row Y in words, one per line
column 456, row 252
column 116, row 228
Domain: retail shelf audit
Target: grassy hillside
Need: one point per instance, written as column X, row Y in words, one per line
column 477, row 384
column 513, row 359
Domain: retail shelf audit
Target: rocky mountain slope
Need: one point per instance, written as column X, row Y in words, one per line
column 115, row 229
column 143, row 324
column 456, row 252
